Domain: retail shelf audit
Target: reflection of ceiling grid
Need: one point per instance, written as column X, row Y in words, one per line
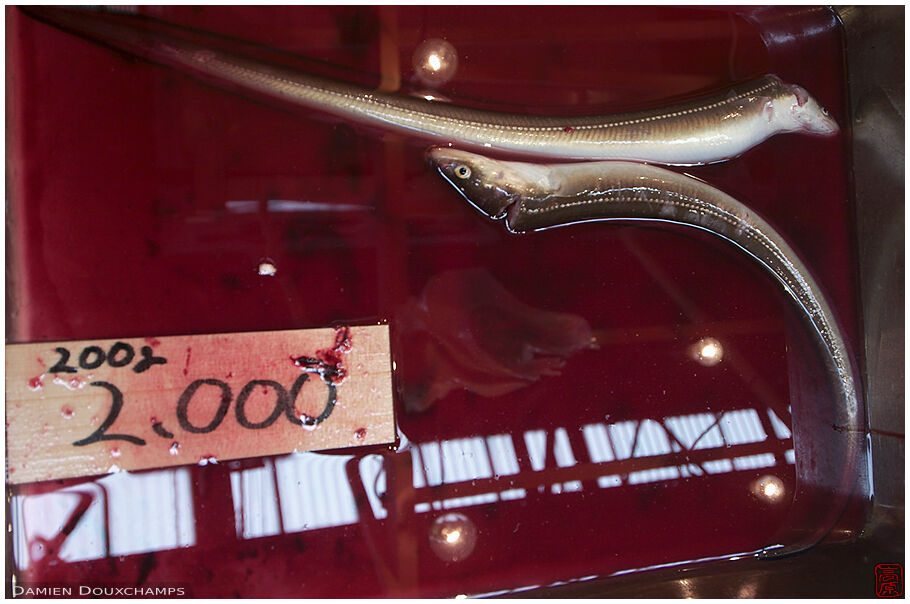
column 309, row 491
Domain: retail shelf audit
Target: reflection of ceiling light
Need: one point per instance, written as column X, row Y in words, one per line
column 768, row 488
column 707, row 351
column 267, row 268
column 435, row 62
column 772, row 490
column 452, row 537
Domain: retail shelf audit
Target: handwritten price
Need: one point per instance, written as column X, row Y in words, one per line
column 105, row 394
column 285, row 400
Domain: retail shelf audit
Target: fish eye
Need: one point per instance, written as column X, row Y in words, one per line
column 824, row 111
column 462, row 171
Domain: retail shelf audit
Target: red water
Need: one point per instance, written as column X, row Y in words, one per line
column 143, row 203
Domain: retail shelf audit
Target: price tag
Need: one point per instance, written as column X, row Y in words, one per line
column 100, row 406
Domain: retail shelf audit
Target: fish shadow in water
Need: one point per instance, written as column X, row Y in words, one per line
column 466, row 331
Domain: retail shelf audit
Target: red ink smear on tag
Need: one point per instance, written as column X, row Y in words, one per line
column 333, row 356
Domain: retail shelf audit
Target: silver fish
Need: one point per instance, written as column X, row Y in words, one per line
column 706, row 130
column 538, row 196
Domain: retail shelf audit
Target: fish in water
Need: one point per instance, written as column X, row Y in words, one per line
column 532, row 197
column 705, row 130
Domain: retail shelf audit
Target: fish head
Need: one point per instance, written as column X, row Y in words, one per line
column 802, row 113
column 489, row 185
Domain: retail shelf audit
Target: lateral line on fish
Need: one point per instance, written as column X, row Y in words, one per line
column 538, row 196
column 702, row 206
column 696, row 131
column 380, row 103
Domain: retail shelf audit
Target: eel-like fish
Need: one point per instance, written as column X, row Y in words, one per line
column 706, row 130
column 538, row 196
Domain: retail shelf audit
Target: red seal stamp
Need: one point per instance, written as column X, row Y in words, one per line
column 889, row 580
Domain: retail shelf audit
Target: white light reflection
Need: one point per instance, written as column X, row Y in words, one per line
column 154, row 511
column 435, row 61
column 453, row 537
column 769, row 488
column 146, row 512
column 292, row 206
column 742, row 426
column 303, row 491
column 267, row 267
column 707, row 351
column 693, row 561
column 314, row 490
column 607, row 444
column 372, row 474
column 779, row 427
column 752, row 462
column 696, row 431
column 241, row 207
column 432, row 96
column 255, row 503
column 462, row 460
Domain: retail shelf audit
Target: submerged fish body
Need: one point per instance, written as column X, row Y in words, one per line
column 537, row 196
column 706, row 130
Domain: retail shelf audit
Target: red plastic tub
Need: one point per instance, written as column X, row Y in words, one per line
column 141, row 203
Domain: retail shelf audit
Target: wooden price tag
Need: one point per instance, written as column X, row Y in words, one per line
column 99, row 406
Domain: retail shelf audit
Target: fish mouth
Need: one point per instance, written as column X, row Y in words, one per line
column 442, row 159
column 437, row 159
column 821, row 125
column 433, row 157
column 828, row 126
